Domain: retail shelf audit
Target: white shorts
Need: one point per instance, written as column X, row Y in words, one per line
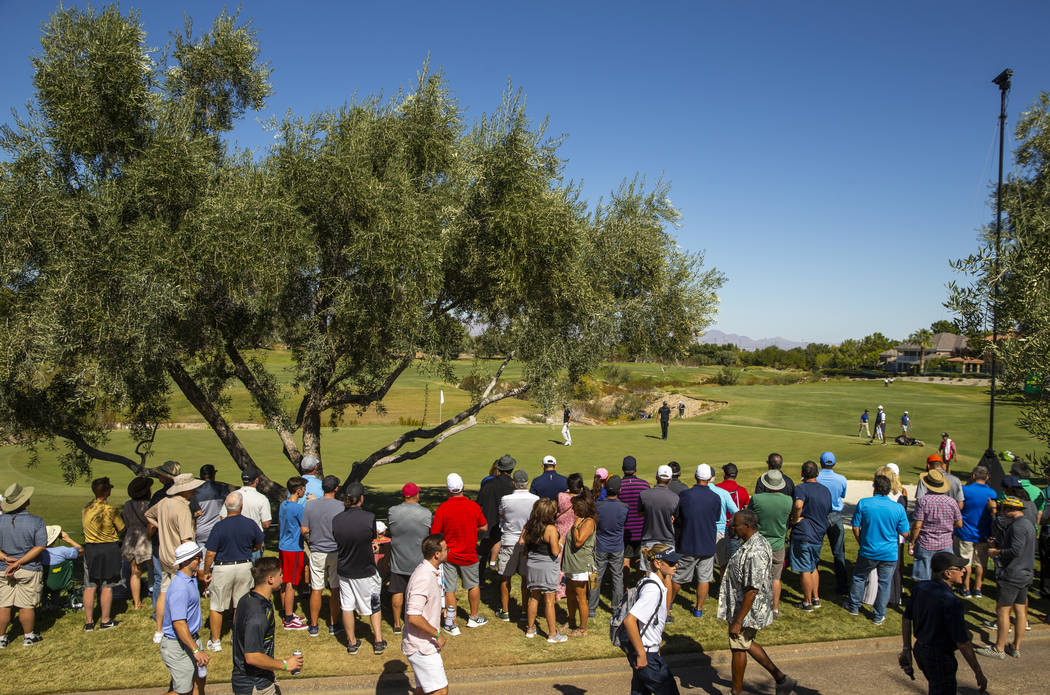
column 360, row 595
column 324, row 566
column 578, row 576
column 429, row 670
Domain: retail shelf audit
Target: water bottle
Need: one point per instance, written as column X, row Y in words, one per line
column 297, row 652
column 202, row 672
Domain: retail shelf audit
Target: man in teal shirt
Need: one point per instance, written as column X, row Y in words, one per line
column 877, row 522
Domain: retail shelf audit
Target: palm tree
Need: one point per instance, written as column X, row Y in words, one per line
column 924, row 339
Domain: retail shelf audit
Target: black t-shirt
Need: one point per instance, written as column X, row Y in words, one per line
column 492, row 491
column 253, row 631
column 354, row 530
column 936, row 615
column 566, row 415
column 665, row 412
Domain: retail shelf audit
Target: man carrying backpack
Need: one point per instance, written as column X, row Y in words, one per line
column 643, row 615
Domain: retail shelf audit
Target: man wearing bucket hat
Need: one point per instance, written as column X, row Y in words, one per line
column 23, row 538
column 772, row 506
column 460, row 520
column 173, row 521
column 180, row 646
column 936, row 517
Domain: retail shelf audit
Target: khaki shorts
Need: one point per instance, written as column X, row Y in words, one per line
column 777, row 568
column 974, row 553
column 512, row 558
column 21, row 589
column 180, row 662
column 271, row 689
column 228, row 584
column 165, row 580
column 743, row 642
column 322, row 566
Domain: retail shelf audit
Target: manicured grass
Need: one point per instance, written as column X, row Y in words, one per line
column 799, row 421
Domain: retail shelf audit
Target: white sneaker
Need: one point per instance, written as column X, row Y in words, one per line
column 557, row 637
column 454, row 630
column 215, row 646
column 157, row 637
column 477, row 622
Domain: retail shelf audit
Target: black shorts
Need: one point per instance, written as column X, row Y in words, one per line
column 1011, row 594
column 939, row 668
column 398, row 583
column 632, row 550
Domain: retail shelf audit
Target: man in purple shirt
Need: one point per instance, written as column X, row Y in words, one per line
column 631, row 487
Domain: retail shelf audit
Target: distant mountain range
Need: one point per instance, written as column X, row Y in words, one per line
column 745, row 343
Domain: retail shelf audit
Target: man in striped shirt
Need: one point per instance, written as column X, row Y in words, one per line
column 631, row 487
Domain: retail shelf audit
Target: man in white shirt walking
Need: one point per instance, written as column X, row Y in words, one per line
column 422, row 641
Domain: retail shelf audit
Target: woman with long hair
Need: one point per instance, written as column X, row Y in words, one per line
column 137, row 550
column 871, row 587
column 598, row 486
column 543, row 545
column 577, row 561
column 566, row 518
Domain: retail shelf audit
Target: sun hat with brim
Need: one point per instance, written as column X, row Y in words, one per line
column 53, row 532
column 15, row 496
column 1012, row 503
column 773, row 480
column 170, row 468
column 187, row 551
column 935, row 481
column 184, row 482
column 506, row 463
column 139, row 487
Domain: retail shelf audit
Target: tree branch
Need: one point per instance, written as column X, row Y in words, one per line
column 439, row 433
column 363, row 400
column 270, row 410
column 81, row 443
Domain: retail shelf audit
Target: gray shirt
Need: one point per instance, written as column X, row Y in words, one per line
column 1017, row 559
column 659, row 505
column 317, row 517
column 407, row 525
column 514, row 511
column 19, row 533
column 956, row 492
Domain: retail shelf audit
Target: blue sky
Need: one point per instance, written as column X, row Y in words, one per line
column 830, row 157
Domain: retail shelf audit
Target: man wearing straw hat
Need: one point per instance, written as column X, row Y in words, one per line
column 174, row 523
column 180, row 648
column 23, row 538
column 936, row 517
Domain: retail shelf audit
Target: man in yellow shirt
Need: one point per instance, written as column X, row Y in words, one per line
column 102, row 562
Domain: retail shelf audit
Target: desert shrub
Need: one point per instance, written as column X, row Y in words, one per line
column 728, row 376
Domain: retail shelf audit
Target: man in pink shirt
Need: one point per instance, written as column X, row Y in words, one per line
column 422, row 641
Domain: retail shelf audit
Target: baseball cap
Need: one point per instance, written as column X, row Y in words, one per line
column 704, row 472
column 945, row 560
column 664, row 472
column 309, row 462
column 602, row 473
column 1011, row 481
column 207, row 471
column 248, row 475
column 934, row 458
column 380, row 527
column 409, row 490
column 550, row 461
column 828, row 458
column 880, row 407
column 629, row 464
column 187, row 551
column 669, row 556
column 944, row 434
column 520, row 476
column 612, row 485
column 905, row 412
column 454, row 483
column 354, row 489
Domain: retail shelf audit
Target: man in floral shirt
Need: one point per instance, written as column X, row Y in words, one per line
column 746, row 602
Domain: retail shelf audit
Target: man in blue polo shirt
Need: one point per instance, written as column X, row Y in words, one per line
column 809, row 522
column 180, row 646
column 700, row 509
column 228, row 564
column 971, row 540
column 549, row 483
column 877, row 522
column 314, row 490
column 836, row 485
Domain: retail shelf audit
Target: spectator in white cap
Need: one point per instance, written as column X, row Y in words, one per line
column 700, row 509
column 549, row 483
column 459, row 520
column 659, row 506
column 314, row 491
column 729, row 508
column 180, row 647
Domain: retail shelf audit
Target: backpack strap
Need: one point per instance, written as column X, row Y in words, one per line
column 648, row 623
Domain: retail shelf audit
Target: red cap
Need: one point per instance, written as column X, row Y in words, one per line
column 410, row 490
column 934, row 458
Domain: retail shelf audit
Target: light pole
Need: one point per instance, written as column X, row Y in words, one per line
column 1002, row 80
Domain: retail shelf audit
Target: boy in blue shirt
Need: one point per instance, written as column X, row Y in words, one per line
column 290, row 547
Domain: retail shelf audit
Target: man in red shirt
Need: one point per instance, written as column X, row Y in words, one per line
column 736, row 491
column 459, row 520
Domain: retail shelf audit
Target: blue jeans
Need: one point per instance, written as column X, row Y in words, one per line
column 837, row 540
column 861, row 569
column 156, row 584
column 656, row 678
column 920, row 568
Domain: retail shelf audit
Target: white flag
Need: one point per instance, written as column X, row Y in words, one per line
column 442, row 397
